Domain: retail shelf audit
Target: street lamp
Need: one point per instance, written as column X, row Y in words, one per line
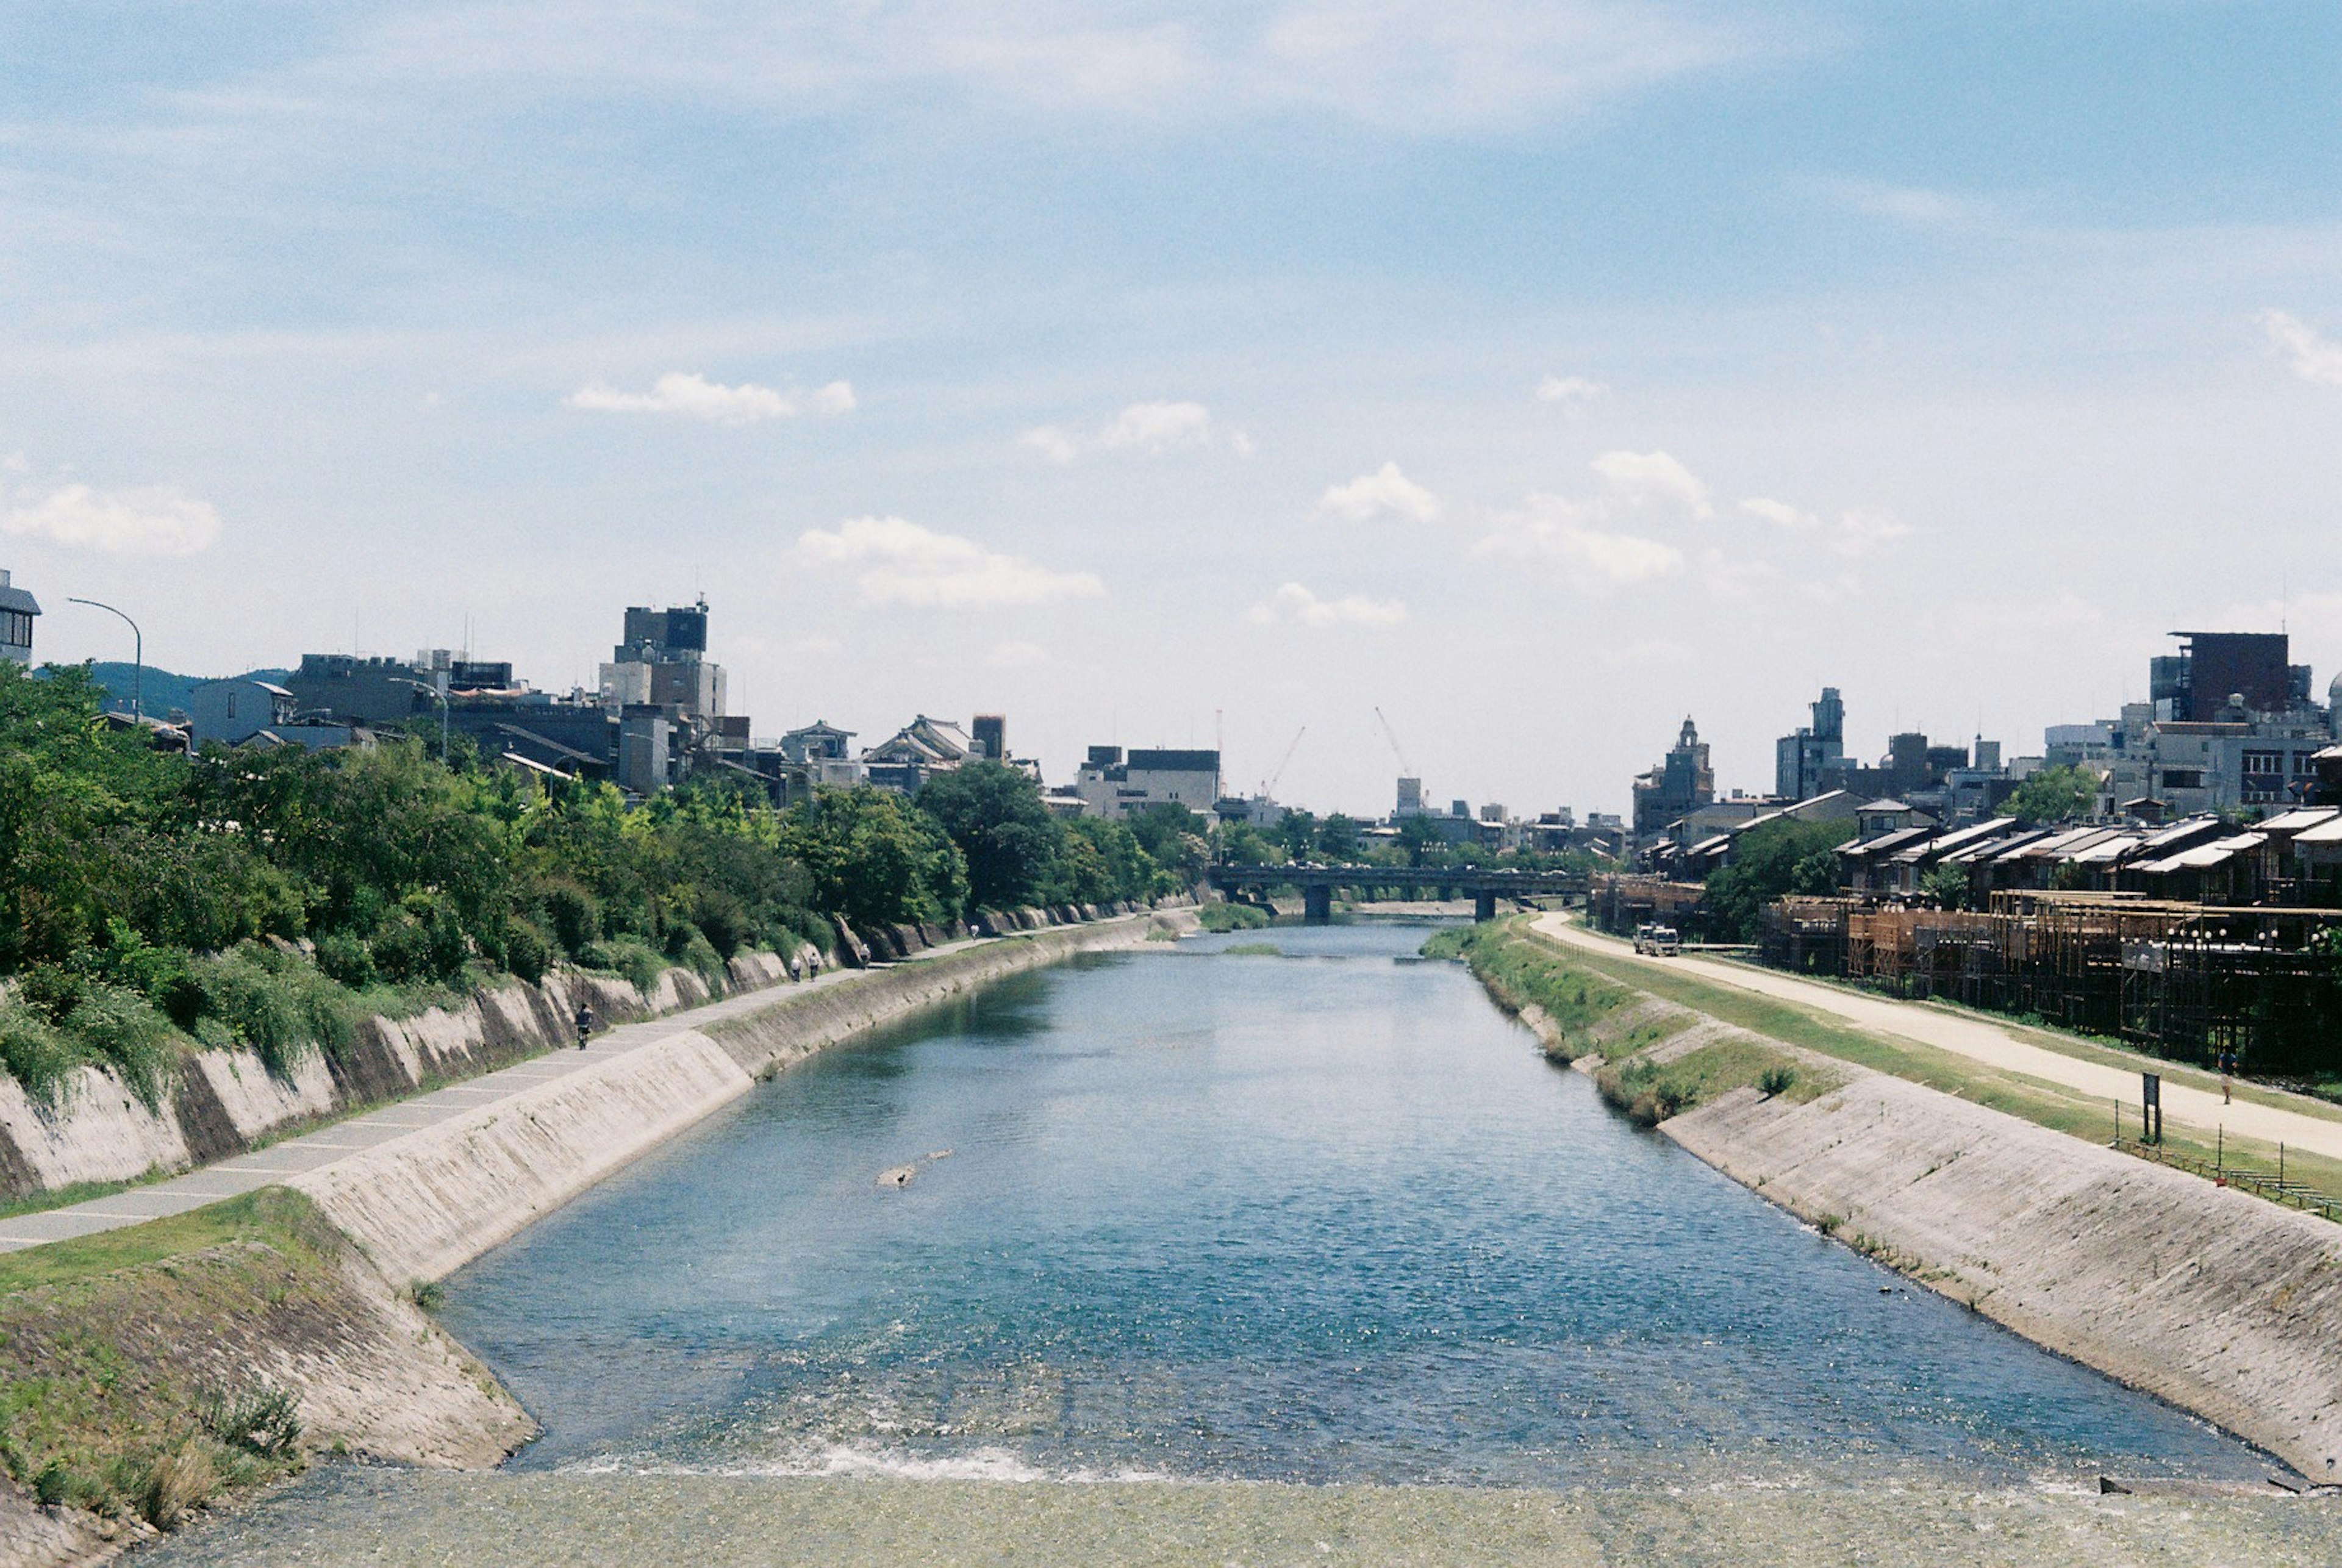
column 435, row 691
column 137, row 656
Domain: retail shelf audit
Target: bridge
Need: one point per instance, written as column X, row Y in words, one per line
column 1486, row 884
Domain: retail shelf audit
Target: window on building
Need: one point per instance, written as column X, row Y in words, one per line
column 15, row 628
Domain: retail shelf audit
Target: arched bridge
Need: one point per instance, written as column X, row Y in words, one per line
column 1485, row 885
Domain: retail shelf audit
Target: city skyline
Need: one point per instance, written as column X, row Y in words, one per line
column 1545, row 373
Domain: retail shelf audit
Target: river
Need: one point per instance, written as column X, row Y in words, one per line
column 1275, row 1207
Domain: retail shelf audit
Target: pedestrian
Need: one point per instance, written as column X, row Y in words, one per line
column 2227, row 1070
column 585, row 1023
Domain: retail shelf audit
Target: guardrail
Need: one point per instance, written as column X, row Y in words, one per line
column 2276, row 1188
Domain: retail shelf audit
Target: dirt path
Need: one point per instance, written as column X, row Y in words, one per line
column 1984, row 1043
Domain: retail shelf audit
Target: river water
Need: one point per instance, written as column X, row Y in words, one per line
column 1208, row 1213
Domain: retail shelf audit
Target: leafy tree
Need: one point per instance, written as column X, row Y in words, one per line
column 875, row 860
column 994, row 813
column 1297, row 833
column 1771, row 861
column 1176, row 840
column 2054, row 795
column 1338, row 838
column 1421, row 843
column 1948, row 886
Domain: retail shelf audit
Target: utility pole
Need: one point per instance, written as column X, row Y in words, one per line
column 137, row 656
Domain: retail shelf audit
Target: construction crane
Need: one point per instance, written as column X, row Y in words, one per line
column 1404, row 766
column 1269, row 789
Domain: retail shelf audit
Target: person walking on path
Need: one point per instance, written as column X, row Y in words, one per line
column 2227, row 1068
column 585, row 1023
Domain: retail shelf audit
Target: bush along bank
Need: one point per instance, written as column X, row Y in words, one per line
column 1649, row 1059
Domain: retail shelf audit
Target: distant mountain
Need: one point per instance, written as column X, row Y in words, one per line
column 160, row 691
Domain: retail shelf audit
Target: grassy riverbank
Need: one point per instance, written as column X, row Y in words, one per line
column 1656, row 1062
column 123, row 1387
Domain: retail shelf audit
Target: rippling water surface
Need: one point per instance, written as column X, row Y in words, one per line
column 1318, row 1216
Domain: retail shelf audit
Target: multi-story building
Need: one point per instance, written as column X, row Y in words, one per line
column 663, row 663
column 1801, row 759
column 17, row 609
column 1111, row 785
column 1680, row 784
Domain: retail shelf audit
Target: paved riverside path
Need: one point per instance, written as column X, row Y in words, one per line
column 339, row 1140
column 1982, row 1040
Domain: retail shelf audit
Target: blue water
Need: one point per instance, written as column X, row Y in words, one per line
column 1322, row 1216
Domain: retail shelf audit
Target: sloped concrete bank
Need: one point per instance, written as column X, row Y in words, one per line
column 2220, row 1302
column 425, row 1205
column 227, row 1102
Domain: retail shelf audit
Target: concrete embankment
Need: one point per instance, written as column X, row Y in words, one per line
column 2221, row 1303
column 428, row 1202
column 224, row 1102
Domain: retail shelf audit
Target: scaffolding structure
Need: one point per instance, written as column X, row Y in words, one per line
column 2186, row 980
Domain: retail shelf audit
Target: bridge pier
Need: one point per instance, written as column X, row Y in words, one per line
column 1484, row 904
column 1317, row 904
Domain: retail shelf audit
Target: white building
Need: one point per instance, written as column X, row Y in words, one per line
column 1113, row 785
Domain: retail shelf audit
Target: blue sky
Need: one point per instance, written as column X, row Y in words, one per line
column 1116, row 364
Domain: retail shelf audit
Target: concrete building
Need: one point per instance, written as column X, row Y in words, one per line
column 231, row 712
column 1801, row 761
column 375, row 692
column 17, row 609
column 990, row 733
column 1680, row 784
column 663, row 663
column 1114, row 785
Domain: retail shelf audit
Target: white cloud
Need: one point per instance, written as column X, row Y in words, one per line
column 1297, row 606
column 15, row 463
column 1655, row 478
column 903, row 563
column 2314, row 358
column 1915, row 206
column 1780, row 514
column 1152, row 428
column 1158, row 427
column 1385, row 493
column 693, row 396
column 1572, row 390
column 838, row 397
column 1570, row 534
column 1421, row 67
column 1051, row 442
column 150, row 520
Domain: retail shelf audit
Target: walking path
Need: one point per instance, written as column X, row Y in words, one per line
column 315, row 1151
column 1987, row 1042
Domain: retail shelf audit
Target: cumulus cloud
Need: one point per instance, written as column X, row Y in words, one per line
column 1575, row 536
column 2314, row 358
column 1852, row 534
column 150, row 520
column 1385, row 493
column 1149, row 428
column 1653, row 478
column 1572, row 390
column 1780, row 514
column 903, row 563
column 694, row 396
column 1296, row 605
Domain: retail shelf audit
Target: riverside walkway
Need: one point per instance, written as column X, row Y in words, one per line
column 337, row 1141
column 2314, row 1127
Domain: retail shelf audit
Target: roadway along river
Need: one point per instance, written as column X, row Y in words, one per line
column 1319, row 1217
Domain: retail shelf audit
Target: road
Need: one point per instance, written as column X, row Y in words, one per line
column 1982, row 1040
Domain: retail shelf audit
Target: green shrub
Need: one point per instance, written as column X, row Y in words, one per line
column 1231, row 917
column 34, row 1050
column 276, row 1004
column 262, row 1420
column 1776, row 1080
column 528, row 952
column 575, row 916
column 119, row 1027
column 346, row 961
column 631, row 961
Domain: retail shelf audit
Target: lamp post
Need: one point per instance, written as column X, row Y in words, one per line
column 435, row 691
column 137, row 656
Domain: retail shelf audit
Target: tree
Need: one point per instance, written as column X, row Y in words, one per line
column 1338, row 838
column 875, row 859
column 2054, row 795
column 1948, row 886
column 1296, row 830
column 995, row 816
column 1771, row 861
column 1175, row 839
column 1420, row 842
